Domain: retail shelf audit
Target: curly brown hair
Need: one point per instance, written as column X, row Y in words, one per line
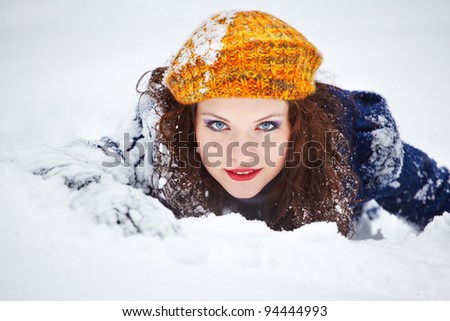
column 316, row 184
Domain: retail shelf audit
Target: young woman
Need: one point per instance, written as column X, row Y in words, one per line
column 236, row 123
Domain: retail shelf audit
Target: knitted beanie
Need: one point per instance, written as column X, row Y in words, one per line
column 247, row 54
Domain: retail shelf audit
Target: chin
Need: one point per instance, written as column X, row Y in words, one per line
column 243, row 194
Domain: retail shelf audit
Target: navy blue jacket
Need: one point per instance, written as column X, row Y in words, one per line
column 401, row 178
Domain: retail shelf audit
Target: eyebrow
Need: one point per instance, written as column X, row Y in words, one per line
column 257, row 121
column 217, row 116
column 268, row 116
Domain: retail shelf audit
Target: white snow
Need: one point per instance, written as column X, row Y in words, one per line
column 62, row 80
column 207, row 44
column 49, row 251
column 162, row 181
column 395, row 184
column 423, row 193
column 206, row 41
column 387, row 148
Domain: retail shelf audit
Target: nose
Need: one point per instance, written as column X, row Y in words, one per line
column 242, row 152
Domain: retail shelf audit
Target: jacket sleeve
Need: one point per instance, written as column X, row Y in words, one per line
column 401, row 178
column 422, row 190
column 105, row 179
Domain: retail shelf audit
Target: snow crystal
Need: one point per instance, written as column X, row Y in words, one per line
column 206, row 40
column 203, row 87
column 387, row 149
column 161, row 182
column 183, row 59
column 395, row 184
column 163, row 149
column 422, row 194
column 379, row 119
column 207, row 76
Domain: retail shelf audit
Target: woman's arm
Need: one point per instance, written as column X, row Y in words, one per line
column 422, row 190
column 106, row 179
column 401, row 178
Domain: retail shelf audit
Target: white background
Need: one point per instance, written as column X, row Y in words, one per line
column 68, row 68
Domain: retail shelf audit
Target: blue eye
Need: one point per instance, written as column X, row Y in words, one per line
column 268, row 126
column 217, row 125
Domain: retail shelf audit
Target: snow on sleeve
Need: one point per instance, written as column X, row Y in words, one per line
column 387, row 151
column 106, row 194
column 378, row 148
column 426, row 192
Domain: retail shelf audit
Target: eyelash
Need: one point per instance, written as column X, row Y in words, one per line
column 211, row 123
column 275, row 125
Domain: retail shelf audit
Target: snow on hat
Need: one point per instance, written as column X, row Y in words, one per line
column 248, row 54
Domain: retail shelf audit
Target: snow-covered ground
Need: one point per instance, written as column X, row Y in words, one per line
column 68, row 70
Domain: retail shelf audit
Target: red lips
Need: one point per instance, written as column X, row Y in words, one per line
column 242, row 174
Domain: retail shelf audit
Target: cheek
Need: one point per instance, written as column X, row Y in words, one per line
column 281, row 143
column 278, row 154
column 209, row 147
column 201, row 136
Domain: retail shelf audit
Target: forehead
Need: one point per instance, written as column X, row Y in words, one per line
column 248, row 106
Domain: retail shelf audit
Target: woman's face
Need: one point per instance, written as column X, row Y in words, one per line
column 243, row 142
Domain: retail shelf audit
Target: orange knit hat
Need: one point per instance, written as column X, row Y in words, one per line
column 248, row 54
